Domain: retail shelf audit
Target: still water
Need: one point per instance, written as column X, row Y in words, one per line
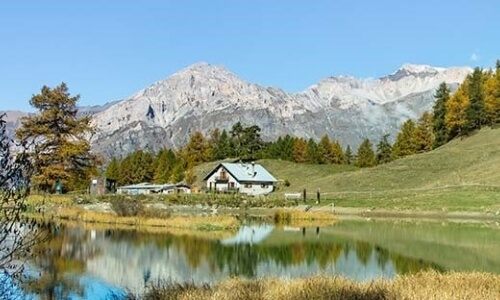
column 100, row 263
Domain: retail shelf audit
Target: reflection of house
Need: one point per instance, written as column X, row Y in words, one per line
column 148, row 188
column 249, row 235
column 251, row 179
column 102, row 186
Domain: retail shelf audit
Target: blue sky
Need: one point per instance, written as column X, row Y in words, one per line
column 107, row 50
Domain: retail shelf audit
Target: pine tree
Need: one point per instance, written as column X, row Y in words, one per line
column 61, row 149
column 424, row 135
column 300, row 151
column 365, row 156
column 475, row 111
column 223, row 148
column 405, row 140
column 348, row 155
column 384, row 150
column 439, row 111
column 312, row 152
column 112, row 171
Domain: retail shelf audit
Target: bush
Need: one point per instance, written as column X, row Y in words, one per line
column 282, row 217
column 126, row 206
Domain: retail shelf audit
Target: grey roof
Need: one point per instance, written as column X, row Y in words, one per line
column 147, row 186
column 243, row 172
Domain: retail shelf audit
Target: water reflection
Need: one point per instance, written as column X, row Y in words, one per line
column 78, row 260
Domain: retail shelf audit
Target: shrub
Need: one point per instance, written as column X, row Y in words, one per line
column 126, row 206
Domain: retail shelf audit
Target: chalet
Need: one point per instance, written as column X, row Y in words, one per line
column 148, row 188
column 246, row 178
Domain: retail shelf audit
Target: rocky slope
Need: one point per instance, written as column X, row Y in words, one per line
column 203, row 96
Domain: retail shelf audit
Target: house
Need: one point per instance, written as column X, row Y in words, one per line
column 146, row 188
column 246, row 178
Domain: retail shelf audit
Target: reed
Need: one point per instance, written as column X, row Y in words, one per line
column 425, row 285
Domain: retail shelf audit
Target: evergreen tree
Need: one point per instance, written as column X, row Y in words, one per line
column 300, row 151
column 365, row 156
column 384, row 150
column 405, row 140
column 424, row 135
column 61, row 149
column 112, row 171
column 348, row 155
column 165, row 162
column 439, row 111
column 251, row 142
column 236, row 138
column 312, row 152
column 223, row 148
column 177, row 173
column 475, row 111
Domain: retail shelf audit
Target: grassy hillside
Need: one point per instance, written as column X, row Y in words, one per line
column 462, row 175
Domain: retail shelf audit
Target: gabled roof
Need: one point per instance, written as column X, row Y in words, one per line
column 243, row 172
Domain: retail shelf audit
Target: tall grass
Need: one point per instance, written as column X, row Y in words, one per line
column 425, row 285
column 207, row 223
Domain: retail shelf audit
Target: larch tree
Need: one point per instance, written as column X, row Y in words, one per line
column 475, row 111
column 455, row 117
column 325, row 155
column 165, row 162
column 365, row 156
column 197, row 150
column 339, row 157
column 300, row 151
column 61, row 150
column 405, row 140
column 439, row 111
column 424, row 135
column 492, row 97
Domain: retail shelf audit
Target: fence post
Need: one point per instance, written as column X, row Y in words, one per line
column 304, row 195
column 318, row 196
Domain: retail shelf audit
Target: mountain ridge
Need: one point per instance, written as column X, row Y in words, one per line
column 203, row 96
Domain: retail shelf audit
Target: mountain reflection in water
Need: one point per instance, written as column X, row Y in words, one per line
column 127, row 259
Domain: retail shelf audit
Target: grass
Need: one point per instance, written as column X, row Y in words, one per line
column 206, row 223
column 425, row 285
column 460, row 176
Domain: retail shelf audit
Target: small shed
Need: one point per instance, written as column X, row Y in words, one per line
column 102, row 186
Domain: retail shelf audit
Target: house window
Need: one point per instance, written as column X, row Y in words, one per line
column 231, row 185
column 248, row 185
column 223, row 175
column 264, row 185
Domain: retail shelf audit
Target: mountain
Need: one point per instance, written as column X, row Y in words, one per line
column 203, row 97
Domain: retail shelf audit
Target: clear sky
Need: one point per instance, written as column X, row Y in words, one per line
column 108, row 50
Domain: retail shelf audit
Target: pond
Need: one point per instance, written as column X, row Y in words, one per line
column 91, row 264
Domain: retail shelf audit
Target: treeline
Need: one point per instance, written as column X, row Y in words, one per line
column 475, row 104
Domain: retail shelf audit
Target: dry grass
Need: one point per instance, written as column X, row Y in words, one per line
column 303, row 219
column 205, row 223
column 425, row 285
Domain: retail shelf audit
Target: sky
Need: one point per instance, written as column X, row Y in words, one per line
column 108, row 50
